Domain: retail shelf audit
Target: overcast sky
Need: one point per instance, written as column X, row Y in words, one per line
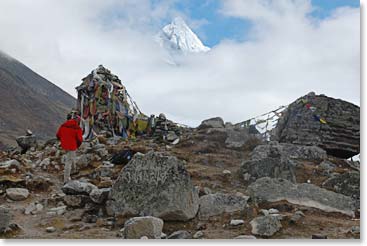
column 264, row 53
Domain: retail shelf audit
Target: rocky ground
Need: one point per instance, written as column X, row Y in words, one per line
column 214, row 184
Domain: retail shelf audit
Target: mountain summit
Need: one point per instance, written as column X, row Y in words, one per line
column 177, row 36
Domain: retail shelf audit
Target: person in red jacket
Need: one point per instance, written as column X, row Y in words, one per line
column 71, row 137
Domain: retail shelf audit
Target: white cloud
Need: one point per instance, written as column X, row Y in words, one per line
column 289, row 53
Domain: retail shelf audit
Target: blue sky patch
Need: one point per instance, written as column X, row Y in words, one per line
column 219, row 27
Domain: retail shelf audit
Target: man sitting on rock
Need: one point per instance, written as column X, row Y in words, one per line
column 71, row 137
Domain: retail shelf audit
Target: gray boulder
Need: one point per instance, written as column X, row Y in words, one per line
column 138, row 227
column 218, row 203
column 239, row 137
column 155, row 184
column 182, row 234
column 76, row 187
column 216, row 122
column 292, row 151
column 5, row 218
column 274, row 190
column 340, row 136
column 17, row 194
column 265, row 225
column 278, row 167
column 278, row 160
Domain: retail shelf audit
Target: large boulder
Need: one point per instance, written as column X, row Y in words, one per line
column 216, row 122
column 155, row 184
column 239, row 137
column 138, row 227
column 275, row 190
column 218, row 203
column 278, row 160
column 278, row 167
column 265, row 225
column 292, row 151
column 5, row 218
column 339, row 136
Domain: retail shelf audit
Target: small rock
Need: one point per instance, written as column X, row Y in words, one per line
column 227, row 172
column 265, row 225
column 99, row 195
column 57, row 210
column 297, row 216
column 30, row 208
column 163, row 235
column 201, row 226
column 273, row 211
column 90, row 218
column 75, row 187
column 144, row 237
column 17, row 194
column 318, row 236
column 264, row 212
column 355, row 230
column 245, row 237
column 50, row 229
column 182, row 234
column 138, row 227
column 198, row 234
column 237, row 222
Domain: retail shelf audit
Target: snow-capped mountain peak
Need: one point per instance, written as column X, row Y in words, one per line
column 178, row 36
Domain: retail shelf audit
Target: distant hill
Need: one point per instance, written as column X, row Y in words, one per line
column 29, row 101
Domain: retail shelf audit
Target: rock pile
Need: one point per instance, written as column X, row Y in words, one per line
column 105, row 105
column 332, row 124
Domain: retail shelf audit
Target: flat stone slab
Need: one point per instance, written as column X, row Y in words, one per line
column 309, row 195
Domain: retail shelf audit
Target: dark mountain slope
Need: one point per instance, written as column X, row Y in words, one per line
column 29, row 101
